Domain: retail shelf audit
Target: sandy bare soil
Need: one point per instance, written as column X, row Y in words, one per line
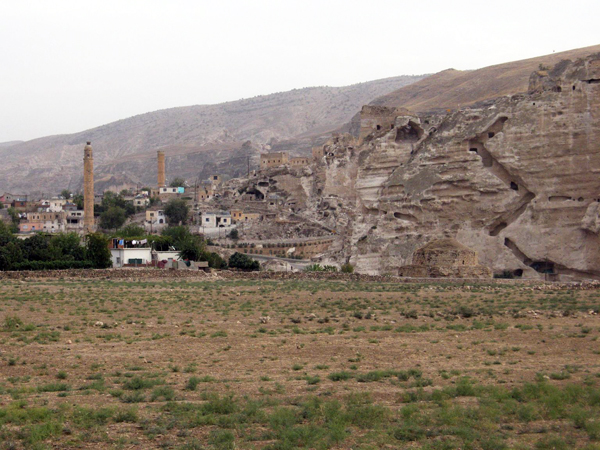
column 234, row 364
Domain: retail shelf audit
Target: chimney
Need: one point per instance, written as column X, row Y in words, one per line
column 161, row 169
column 88, row 188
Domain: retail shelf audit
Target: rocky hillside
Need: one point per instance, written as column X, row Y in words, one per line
column 204, row 138
column 515, row 178
column 453, row 89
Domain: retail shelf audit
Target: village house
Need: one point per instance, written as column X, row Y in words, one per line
column 155, row 220
column 299, row 162
column 220, row 219
column 56, row 204
column 318, row 153
column 168, row 190
column 49, row 222
column 74, row 221
column 205, row 193
column 98, row 199
column 215, row 181
column 238, row 216
column 269, row 160
column 141, row 201
column 8, row 200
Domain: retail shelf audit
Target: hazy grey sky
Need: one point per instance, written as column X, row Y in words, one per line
column 69, row 65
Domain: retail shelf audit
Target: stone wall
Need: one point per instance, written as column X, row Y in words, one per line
column 304, row 249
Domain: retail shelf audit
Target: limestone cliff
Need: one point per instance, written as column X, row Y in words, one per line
column 515, row 178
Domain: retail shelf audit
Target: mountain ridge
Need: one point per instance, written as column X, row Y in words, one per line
column 51, row 163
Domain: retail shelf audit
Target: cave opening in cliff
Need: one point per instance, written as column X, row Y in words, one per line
column 411, row 132
column 514, row 186
column 491, row 134
column 486, row 157
column 518, row 273
column 378, row 127
column 543, row 266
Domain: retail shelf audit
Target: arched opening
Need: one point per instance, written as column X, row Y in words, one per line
column 378, row 127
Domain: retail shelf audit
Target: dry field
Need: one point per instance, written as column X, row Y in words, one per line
column 188, row 364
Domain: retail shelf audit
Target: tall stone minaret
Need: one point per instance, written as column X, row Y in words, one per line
column 88, row 189
column 162, row 181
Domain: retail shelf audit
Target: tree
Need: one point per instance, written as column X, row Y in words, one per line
column 177, row 182
column 176, row 211
column 65, row 193
column 132, row 230
column 9, row 247
column 14, row 217
column 78, row 200
column 113, row 218
column 69, row 246
column 234, row 234
column 177, row 234
column 191, row 249
column 244, row 262
column 97, row 250
column 111, row 199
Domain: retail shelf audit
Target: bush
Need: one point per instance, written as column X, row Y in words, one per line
column 320, row 268
column 347, row 268
column 243, row 262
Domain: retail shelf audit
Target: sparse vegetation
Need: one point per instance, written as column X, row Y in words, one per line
column 244, row 363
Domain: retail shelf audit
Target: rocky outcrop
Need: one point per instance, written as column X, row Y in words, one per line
column 515, row 179
column 445, row 258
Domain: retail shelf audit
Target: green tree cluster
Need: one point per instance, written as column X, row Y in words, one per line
column 113, row 211
column 193, row 247
column 177, row 182
column 59, row 251
column 243, row 262
column 177, row 211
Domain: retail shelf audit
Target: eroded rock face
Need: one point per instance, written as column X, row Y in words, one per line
column 445, row 258
column 515, row 179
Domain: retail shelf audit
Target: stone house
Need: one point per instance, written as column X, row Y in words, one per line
column 237, row 216
column 269, row 160
column 299, row 162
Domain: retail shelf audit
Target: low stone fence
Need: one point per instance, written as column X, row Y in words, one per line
column 131, row 274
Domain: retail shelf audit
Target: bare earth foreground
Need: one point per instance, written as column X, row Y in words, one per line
column 247, row 363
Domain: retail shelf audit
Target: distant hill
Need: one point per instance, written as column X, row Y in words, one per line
column 9, row 143
column 452, row 89
column 197, row 139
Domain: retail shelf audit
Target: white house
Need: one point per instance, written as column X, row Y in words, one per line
column 171, row 190
column 130, row 256
column 216, row 220
column 155, row 220
column 74, row 220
